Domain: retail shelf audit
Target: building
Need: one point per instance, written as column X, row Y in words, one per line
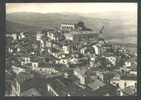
column 55, row 35
column 64, row 87
column 78, row 36
column 106, row 90
column 31, row 92
column 80, row 73
column 67, row 27
column 123, row 83
column 12, row 87
column 95, row 84
column 32, row 87
column 130, row 91
column 25, row 60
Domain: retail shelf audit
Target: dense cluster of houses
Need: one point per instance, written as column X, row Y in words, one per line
column 70, row 61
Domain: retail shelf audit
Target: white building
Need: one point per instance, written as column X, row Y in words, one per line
column 66, row 49
column 34, row 65
column 123, row 82
column 80, row 74
column 96, row 49
column 67, row 27
column 112, row 59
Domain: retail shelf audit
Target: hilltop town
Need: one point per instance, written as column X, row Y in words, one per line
column 73, row 60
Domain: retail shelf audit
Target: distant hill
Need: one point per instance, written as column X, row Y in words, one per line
column 18, row 27
column 49, row 20
column 119, row 29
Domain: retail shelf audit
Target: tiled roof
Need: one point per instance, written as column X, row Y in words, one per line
column 31, row 92
column 108, row 88
column 96, row 84
column 65, row 86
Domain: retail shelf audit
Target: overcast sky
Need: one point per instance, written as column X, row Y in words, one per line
column 71, row 7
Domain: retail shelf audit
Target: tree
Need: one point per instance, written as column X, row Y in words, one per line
column 80, row 25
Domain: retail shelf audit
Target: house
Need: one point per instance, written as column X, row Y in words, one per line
column 106, row 49
column 20, row 79
column 83, row 50
column 54, row 52
column 67, row 44
column 12, row 88
column 15, row 84
column 117, row 76
column 10, row 50
column 130, row 75
column 32, row 87
column 95, row 84
column 92, row 49
column 96, row 49
column 63, row 61
column 39, row 36
column 66, row 49
column 106, row 90
column 68, row 37
column 108, row 76
column 80, row 73
column 14, row 49
column 123, row 83
column 21, row 36
column 25, row 60
column 12, row 35
column 127, row 63
column 73, row 59
column 130, row 91
column 23, row 76
column 16, row 88
column 100, row 75
column 134, row 73
column 55, row 35
column 92, row 60
column 34, row 65
column 31, row 92
column 79, row 36
column 111, row 59
column 64, row 87
column 17, row 70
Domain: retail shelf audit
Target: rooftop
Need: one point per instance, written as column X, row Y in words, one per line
column 31, row 92
column 131, row 90
column 96, row 84
column 81, row 70
column 65, row 86
column 108, row 88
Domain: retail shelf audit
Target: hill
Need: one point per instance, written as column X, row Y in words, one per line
column 18, row 27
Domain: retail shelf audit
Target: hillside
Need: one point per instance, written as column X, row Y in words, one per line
column 18, row 27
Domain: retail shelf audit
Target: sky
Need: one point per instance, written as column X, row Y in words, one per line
column 71, row 7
